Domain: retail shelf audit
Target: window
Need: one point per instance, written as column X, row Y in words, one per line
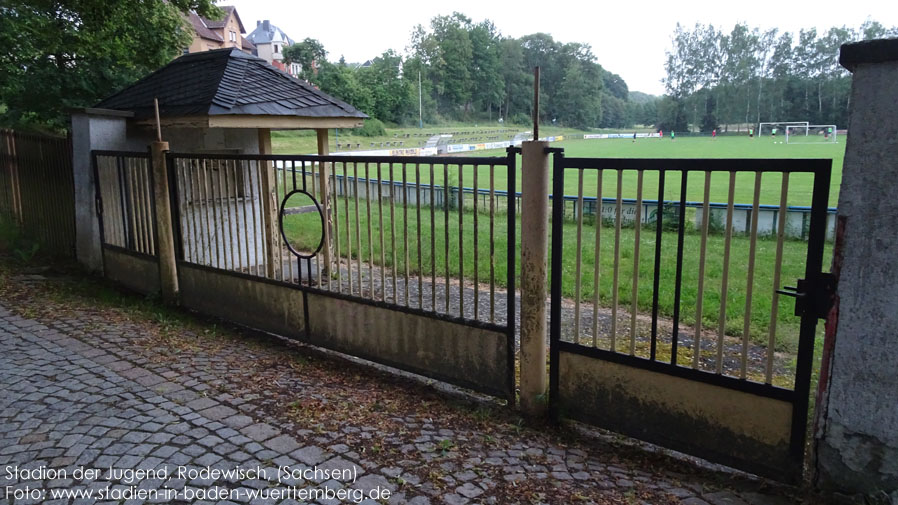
column 277, row 48
column 233, row 36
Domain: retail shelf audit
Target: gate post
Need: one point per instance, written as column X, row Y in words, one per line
column 165, row 243
column 856, row 430
column 534, row 257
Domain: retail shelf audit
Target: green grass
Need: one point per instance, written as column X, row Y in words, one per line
column 304, row 230
column 800, row 185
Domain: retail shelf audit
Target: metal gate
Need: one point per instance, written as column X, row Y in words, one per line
column 665, row 310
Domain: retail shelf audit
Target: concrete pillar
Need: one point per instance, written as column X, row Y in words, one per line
column 856, row 431
column 165, row 241
column 534, row 280
column 323, row 179
column 93, row 129
column 269, row 205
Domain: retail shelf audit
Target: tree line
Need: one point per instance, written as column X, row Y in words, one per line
column 748, row 75
column 469, row 71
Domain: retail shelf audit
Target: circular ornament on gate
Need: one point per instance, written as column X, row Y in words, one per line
column 295, row 219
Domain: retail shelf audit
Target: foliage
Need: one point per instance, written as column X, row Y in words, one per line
column 307, row 53
column 371, row 128
column 71, row 53
column 750, row 75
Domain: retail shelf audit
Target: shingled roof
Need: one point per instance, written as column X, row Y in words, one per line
column 225, row 83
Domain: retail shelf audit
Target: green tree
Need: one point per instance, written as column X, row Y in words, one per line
column 309, row 54
column 62, row 54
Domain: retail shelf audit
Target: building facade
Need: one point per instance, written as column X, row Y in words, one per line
column 269, row 42
column 225, row 33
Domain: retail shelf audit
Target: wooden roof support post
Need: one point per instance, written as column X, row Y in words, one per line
column 323, row 176
column 269, row 204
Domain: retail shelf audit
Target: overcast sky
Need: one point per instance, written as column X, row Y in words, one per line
column 628, row 37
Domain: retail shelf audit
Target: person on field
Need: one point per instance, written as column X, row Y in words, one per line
column 773, row 132
column 673, row 135
column 634, row 136
column 751, row 133
column 714, row 134
column 661, row 134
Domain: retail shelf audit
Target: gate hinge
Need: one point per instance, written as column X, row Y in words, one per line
column 814, row 298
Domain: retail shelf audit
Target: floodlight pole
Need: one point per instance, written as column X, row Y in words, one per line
column 420, row 103
column 535, row 103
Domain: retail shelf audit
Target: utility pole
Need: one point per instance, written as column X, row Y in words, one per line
column 420, row 103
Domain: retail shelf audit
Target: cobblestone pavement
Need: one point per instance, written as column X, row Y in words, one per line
column 91, row 388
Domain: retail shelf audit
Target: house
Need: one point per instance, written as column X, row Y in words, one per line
column 226, row 33
column 269, row 42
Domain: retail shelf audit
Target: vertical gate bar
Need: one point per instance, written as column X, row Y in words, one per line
column 492, row 244
column 99, row 196
column 777, row 270
column 637, row 228
column 476, row 231
column 358, row 226
column 418, row 238
column 133, row 213
column 446, row 229
column 659, row 215
column 578, row 261
column 139, row 206
column 212, row 167
column 557, row 246
column 616, row 274
column 148, row 195
column 120, row 175
column 395, row 266
column 706, row 220
column 332, row 193
column 240, row 224
column 227, row 217
column 813, row 269
column 433, row 243
column 259, row 256
column 728, row 238
column 370, row 236
column 461, row 243
column 746, row 326
column 217, row 211
column 511, row 248
column 678, row 284
column 247, row 195
column 380, row 216
column 193, row 171
column 182, row 215
column 596, row 261
column 405, row 226
column 204, row 217
column 347, row 195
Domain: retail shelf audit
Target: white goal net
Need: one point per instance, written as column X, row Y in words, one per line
column 811, row 134
column 778, row 128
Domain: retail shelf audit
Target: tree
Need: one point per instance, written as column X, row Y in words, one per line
column 308, row 53
column 62, row 54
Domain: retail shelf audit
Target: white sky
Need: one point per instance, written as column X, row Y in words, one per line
column 628, row 37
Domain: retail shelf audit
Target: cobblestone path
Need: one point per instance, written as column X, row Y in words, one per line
column 87, row 387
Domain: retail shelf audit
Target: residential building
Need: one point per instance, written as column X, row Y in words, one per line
column 269, row 42
column 224, row 33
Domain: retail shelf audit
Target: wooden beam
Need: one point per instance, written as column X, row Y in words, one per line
column 248, row 121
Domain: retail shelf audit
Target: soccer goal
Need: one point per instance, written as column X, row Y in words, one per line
column 811, row 134
column 775, row 129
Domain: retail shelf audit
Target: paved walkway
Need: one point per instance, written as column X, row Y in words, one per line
column 210, row 416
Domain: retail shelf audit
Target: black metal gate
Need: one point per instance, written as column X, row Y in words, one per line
column 646, row 357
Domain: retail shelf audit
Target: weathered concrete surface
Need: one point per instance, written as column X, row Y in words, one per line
column 140, row 274
column 534, row 281
column 745, row 430
column 857, row 435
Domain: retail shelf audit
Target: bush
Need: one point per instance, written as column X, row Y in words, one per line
column 372, row 128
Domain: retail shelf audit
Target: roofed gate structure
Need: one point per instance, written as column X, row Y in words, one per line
column 216, row 102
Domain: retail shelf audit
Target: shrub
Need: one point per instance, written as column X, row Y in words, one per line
column 371, row 128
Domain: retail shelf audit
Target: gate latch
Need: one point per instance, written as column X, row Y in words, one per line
column 815, row 298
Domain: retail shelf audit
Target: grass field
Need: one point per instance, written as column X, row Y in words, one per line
column 800, row 185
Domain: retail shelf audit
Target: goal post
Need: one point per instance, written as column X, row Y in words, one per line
column 811, row 134
column 775, row 128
